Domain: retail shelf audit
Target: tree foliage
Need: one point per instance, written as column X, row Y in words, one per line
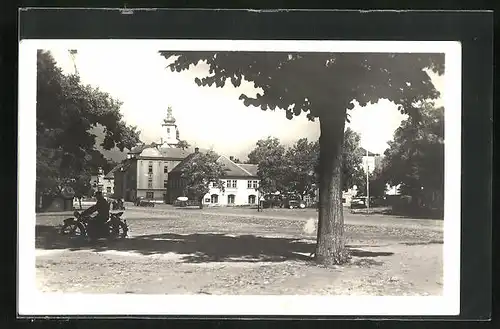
column 295, row 169
column 352, row 156
column 66, row 112
column 202, row 171
column 415, row 158
column 324, row 86
column 183, row 144
column 377, row 182
column 301, row 167
column 269, row 155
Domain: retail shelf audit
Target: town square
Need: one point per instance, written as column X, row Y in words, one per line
column 217, row 173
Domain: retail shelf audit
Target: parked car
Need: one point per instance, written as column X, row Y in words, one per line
column 272, row 201
column 143, row 202
column 359, row 202
column 292, row 204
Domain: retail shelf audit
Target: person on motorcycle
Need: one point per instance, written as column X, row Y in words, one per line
column 102, row 209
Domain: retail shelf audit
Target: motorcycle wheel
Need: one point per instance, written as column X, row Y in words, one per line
column 73, row 230
column 118, row 230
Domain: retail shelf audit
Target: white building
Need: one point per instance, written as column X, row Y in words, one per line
column 240, row 181
column 371, row 161
column 103, row 183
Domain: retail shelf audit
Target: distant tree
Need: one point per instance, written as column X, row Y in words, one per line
column 236, row 160
column 200, row 173
column 377, row 182
column 301, row 161
column 269, row 155
column 264, row 148
column 182, row 144
column 415, row 158
column 82, row 187
column 352, row 160
column 67, row 110
column 324, row 86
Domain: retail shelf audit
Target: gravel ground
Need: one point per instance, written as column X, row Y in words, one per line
column 240, row 251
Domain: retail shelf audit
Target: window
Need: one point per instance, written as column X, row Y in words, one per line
column 230, row 199
column 214, row 184
column 249, row 184
column 165, row 170
column 150, row 167
column 108, row 189
column 214, row 198
column 150, row 195
column 168, row 130
column 251, row 199
column 228, row 183
column 234, row 183
column 165, row 183
column 150, row 182
column 255, row 184
column 207, row 200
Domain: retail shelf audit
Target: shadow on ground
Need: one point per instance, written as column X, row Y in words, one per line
column 197, row 248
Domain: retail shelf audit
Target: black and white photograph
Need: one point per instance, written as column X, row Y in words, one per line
column 240, row 177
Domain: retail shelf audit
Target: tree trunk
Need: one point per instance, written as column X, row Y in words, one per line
column 330, row 247
column 201, row 202
column 80, row 203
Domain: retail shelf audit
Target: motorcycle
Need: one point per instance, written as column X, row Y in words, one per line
column 118, row 205
column 82, row 227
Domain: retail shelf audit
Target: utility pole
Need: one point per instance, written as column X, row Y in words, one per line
column 73, row 53
column 367, row 184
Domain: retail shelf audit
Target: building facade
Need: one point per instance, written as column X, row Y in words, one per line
column 103, row 183
column 371, row 161
column 240, row 184
column 145, row 172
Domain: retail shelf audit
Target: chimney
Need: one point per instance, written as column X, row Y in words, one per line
column 231, row 158
column 196, row 150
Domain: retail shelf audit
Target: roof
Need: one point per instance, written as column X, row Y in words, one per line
column 250, row 168
column 183, row 163
column 371, row 154
column 111, row 173
column 167, row 152
column 232, row 169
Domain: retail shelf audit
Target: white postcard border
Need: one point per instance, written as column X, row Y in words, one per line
column 32, row 302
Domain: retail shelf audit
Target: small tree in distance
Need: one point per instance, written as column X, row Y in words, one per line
column 182, row 144
column 200, row 173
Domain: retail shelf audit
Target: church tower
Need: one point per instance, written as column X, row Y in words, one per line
column 170, row 133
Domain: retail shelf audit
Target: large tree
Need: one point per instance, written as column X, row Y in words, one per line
column 67, row 111
column 324, row 86
column 201, row 172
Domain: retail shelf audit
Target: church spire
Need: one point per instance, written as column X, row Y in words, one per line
column 171, row 133
column 169, row 120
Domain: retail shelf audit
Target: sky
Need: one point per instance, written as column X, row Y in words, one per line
column 210, row 117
